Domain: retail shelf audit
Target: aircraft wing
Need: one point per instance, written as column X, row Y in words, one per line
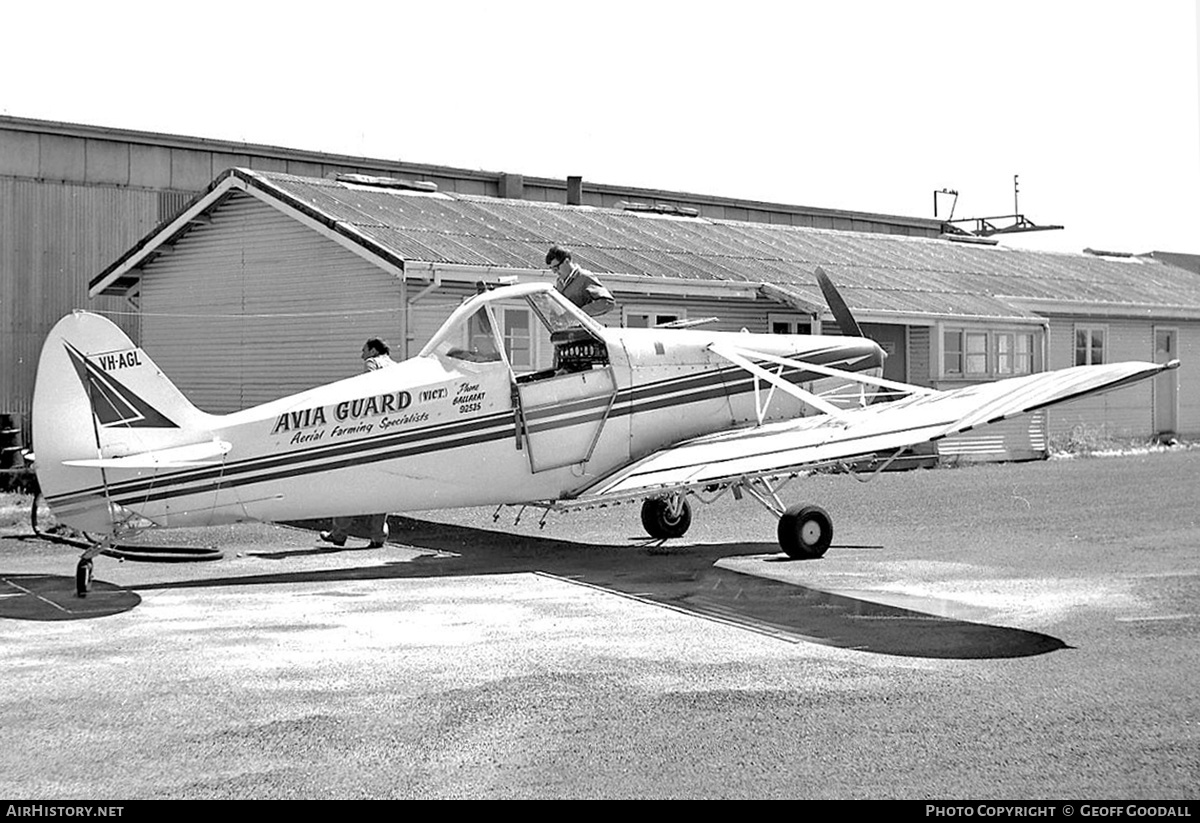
column 809, row 442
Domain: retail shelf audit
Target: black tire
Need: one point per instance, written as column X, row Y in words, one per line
column 83, row 578
column 805, row 532
column 658, row 522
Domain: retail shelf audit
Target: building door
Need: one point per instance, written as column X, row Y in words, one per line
column 1166, row 384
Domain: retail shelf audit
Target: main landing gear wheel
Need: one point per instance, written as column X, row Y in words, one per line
column 805, row 532
column 83, row 577
column 662, row 520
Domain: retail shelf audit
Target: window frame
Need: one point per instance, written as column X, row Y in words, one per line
column 1089, row 330
column 794, row 321
column 1020, row 362
column 678, row 312
column 972, row 356
column 980, row 353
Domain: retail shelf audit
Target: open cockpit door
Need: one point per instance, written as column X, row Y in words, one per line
column 563, row 404
column 561, row 415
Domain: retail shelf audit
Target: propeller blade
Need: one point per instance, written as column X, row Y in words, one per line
column 841, row 312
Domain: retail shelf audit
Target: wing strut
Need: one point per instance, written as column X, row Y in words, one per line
column 735, row 356
column 881, row 382
column 768, row 497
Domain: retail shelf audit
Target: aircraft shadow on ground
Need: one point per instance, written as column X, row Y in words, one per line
column 682, row 577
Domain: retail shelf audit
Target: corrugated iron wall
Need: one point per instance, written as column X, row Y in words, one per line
column 1022, row 438
column 256, row 306
column 53, row 237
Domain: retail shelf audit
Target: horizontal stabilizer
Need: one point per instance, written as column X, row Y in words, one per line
column 198, row 454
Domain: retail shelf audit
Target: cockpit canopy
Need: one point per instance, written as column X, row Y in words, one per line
column 532, row 328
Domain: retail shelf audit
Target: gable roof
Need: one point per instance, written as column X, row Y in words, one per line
column 879, row 274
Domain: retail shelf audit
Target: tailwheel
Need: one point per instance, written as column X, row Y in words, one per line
column 805, row 532
column 83, row 577
column 665, row 517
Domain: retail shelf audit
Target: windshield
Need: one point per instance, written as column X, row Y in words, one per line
column 472, row 339
column 552, row 313
column 527, row 331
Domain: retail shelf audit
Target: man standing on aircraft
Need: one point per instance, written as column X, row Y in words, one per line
column 577, row 284
column 375, row 355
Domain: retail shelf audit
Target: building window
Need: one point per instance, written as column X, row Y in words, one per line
column 789, row 324
column 977, row 353
column 1089, row 345
column 640, row 318
column 1014, row 353
column 952, row 352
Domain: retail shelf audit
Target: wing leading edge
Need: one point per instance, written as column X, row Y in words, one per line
column 810, row 442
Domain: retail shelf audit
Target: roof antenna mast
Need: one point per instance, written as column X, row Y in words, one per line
column 985, row 226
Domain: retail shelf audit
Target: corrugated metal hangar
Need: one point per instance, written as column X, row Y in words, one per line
column 268, row 280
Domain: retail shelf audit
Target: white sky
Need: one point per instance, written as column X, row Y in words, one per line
column 856, row 104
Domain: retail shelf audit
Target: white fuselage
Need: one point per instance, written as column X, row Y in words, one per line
column 438, row 431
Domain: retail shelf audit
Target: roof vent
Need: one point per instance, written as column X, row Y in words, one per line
column 659, row 208
column 386, row 182
column 1102, row 253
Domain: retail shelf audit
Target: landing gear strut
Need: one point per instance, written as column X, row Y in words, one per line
column 83, row 571
column 83, row 577
column 805, row 532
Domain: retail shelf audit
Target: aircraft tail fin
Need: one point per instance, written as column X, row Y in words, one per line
column 99, row 397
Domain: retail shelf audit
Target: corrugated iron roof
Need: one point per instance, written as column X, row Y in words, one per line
column 882, row 273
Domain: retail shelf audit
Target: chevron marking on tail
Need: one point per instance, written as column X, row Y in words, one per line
column 113, row 403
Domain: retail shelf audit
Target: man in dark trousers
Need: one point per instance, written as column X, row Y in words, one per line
column 375, row 355
column 577, row 284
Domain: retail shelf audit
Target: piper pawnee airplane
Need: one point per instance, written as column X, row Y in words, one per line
column 663, row 415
